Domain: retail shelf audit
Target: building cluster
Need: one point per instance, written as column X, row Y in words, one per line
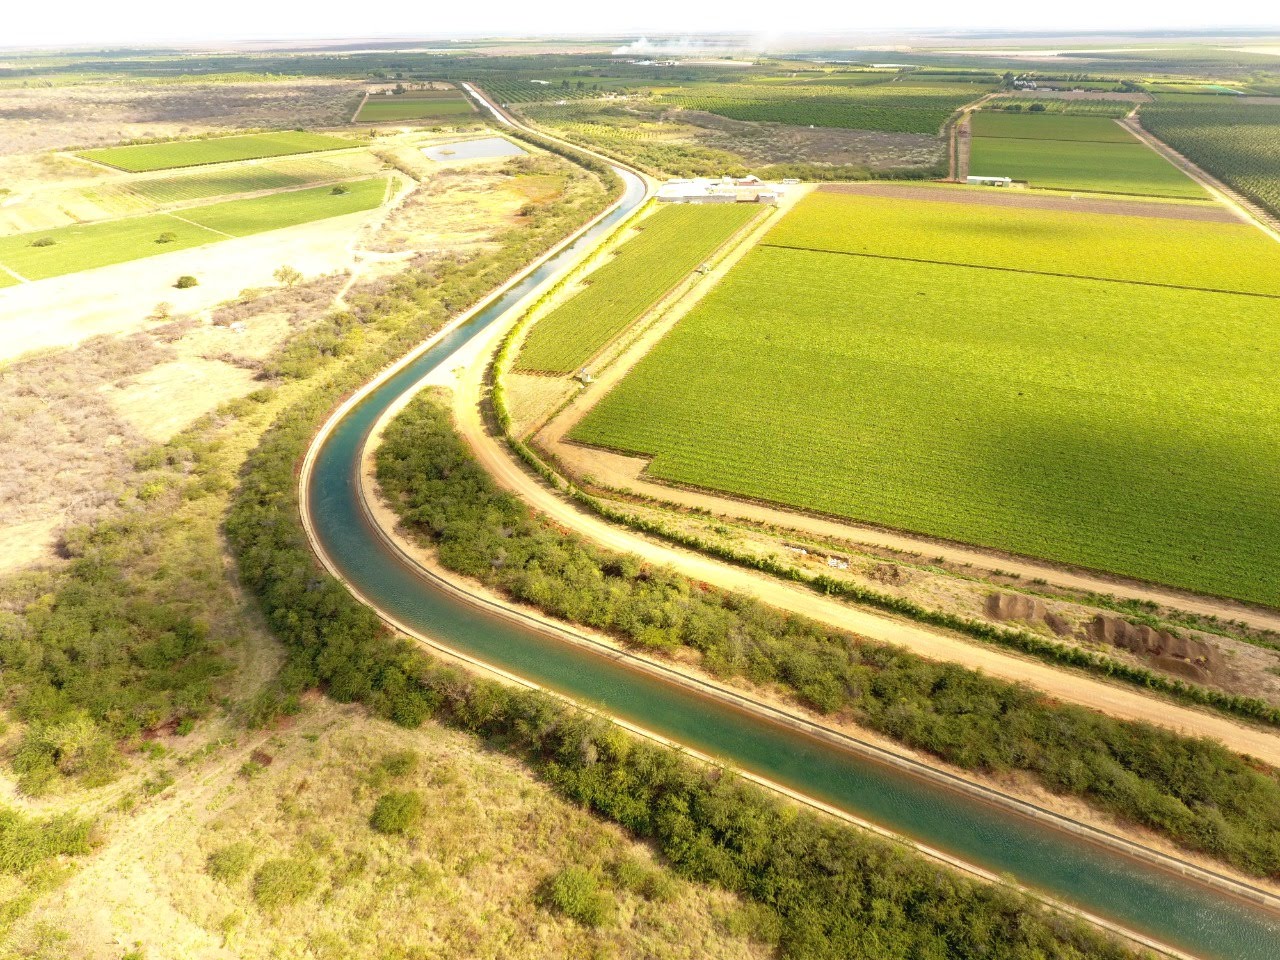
column 750, row 189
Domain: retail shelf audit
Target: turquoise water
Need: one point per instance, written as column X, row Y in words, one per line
column 483, row 148
column 1176, row 911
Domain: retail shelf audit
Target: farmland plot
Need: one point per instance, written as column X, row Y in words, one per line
column 51, row 253
column 1125, row 428
column 1235, row 142
column 1063, row 152
column 671, row 244
column 413, row 105
column 144, row 157
column 1233, row 257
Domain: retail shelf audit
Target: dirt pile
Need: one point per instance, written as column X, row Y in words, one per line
column 1017, row 606
column 1186, row 657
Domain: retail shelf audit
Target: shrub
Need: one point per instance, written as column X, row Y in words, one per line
column 401, row 763
column 167, row 237
column 231, row 862
column 186, row 281
column 575, row 893
column 396, row 812
column 284, row 881
column 340, row 189
column 43, row 242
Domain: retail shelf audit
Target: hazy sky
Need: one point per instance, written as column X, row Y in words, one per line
column 149, row 21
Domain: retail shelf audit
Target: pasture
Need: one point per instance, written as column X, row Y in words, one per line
column 670, row 245
column 1064, row 152
column 1233, row 257
column 144, row 157
column 1127, row 428
column 52, row 253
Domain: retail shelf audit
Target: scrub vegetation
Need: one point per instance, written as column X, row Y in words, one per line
column 138, row 158
column 1108, row 425
column 1231, row 810
column 670, row 245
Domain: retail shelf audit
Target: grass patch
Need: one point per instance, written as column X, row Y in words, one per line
column 671, row 244
column 285, row 881
column 143, row 157
column 576, row 894
column 397, row 812
column 1122, row 428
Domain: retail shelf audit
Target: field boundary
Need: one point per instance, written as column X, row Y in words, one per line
column 1037, row 273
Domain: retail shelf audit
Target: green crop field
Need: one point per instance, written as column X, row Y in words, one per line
column 1127, row 168
column 6, row 280
column 1233, row 257
column 1059, row 105
column 1236, row 142
column 240, row 218
column 406, row 107
column 903, row 109
column 86, row 246
column 1115, row 426
column 90, row 245
column 671, row 244
column 216, row 183
column 1058, row 126
column 144, row 157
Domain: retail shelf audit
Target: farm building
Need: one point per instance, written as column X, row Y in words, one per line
column 750, row 189
column 989, row 181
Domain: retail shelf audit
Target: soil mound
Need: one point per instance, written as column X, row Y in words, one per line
column 1193, row 659
column 1016, row 606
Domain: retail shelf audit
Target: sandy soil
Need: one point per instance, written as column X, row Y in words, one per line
column 997, row 197
column 165, row 399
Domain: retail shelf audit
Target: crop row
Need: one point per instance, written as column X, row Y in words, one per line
column 1236, row 142
column 141, row 158
column 670, row 245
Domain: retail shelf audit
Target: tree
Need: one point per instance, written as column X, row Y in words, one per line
column 186, row 281
column 288, row 276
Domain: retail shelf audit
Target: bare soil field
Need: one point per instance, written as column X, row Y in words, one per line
column 54, row 118
column 998, row 197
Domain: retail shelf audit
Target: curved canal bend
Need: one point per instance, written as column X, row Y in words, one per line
column 1101, row 881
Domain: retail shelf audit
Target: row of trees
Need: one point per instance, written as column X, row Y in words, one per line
column 1192, row 790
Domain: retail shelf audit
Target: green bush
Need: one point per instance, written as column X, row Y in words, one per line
column 167, row 237
column 186, row 281
column 401, row 763
column 285, row 881
column 396, row 812
column 575, row 893
column 231, row 862
column 43, row 242
column 26, row 842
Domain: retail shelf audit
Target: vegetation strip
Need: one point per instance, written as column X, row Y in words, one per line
column 139, row 158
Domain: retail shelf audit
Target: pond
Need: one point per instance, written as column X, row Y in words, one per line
column 485, row 148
